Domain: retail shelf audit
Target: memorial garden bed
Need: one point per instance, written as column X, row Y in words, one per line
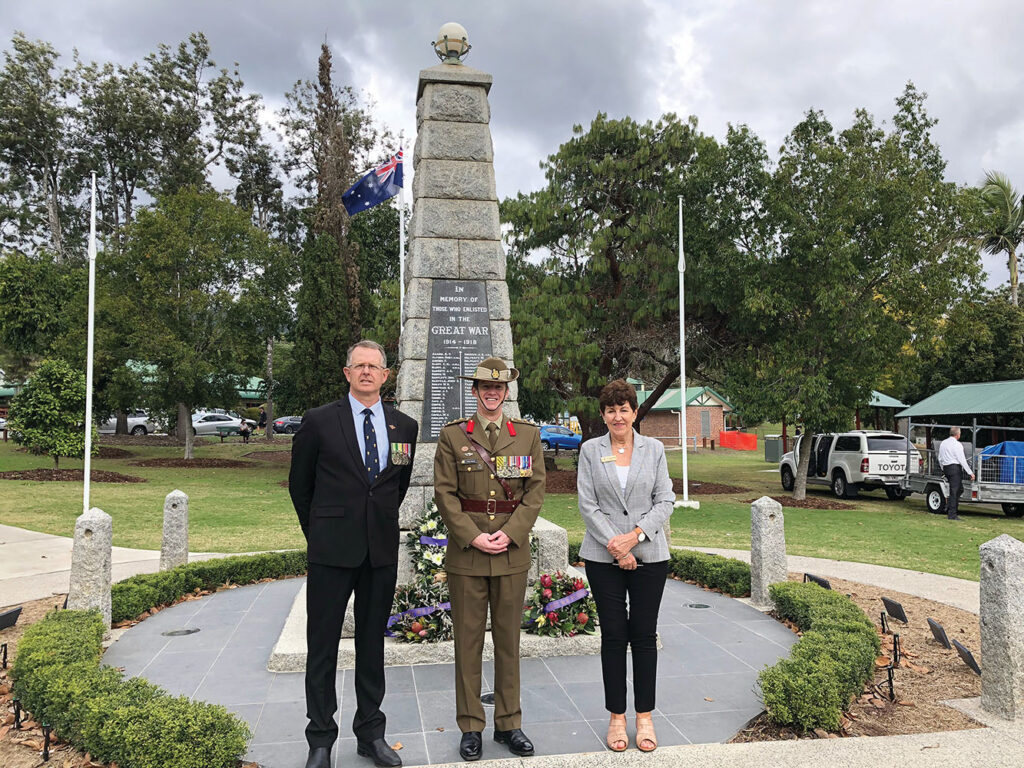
column 69, row 476
column 194, row 463
column 278, row 457
column 811, row 502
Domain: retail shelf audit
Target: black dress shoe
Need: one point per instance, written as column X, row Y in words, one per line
column 319, row 757
column 381, row 752
column 518, row 743
column 471, row 745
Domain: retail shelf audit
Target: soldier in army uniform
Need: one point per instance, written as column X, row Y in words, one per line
column 489, row 487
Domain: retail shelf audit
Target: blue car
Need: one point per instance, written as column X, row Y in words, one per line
column 553, row 436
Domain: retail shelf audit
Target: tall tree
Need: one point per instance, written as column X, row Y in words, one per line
column 36, row 122
column 604, row 302
column 181, row 279
column 1004, row 226
column 329, row 302
column 861, row 246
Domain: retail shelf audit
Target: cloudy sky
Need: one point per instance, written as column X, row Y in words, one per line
column 559, row 62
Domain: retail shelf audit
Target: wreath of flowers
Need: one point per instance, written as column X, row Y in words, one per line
column 421, row 612
column 560, row 605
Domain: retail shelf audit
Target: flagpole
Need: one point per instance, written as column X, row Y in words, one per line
column 401, row 237
column 87, row 473
column 682, row 362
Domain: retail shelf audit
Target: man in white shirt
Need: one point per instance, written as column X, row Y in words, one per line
column 954, row 464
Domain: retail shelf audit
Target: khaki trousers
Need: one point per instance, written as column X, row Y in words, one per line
column 470, row 597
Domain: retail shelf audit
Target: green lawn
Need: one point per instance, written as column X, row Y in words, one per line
column 237, row 510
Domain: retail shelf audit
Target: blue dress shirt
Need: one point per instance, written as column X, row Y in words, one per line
column 380, row 428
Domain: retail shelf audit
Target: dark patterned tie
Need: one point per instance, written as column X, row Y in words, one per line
column 492, row 434
column 372, row 457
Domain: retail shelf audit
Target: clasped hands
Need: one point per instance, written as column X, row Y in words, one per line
column 619, row 547
column 492, row 543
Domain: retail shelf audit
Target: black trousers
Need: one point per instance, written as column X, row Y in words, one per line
column 955, row 477
column 635, row 626
column 327, row 593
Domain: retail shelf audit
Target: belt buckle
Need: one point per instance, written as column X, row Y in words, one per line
column 491, row 508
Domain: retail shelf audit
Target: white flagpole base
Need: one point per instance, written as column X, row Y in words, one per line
column 689, row 504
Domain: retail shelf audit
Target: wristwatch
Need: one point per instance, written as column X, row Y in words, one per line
column 640, row 535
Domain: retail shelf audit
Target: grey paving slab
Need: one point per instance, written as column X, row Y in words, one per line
column 709, row 653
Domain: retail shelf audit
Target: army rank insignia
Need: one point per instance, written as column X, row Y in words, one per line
column 514, row 466
column 401, row 454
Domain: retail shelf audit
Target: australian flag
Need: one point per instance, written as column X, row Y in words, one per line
column 375, row 187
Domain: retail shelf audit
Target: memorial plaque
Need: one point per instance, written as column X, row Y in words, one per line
column 459, row 340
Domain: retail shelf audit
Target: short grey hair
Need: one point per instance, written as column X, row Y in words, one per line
column 367, row 344
column 955, row 432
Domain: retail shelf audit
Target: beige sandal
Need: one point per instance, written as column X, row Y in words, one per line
column 645, row 733
column 617, row 734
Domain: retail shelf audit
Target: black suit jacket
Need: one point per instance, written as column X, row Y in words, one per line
column 341, row 514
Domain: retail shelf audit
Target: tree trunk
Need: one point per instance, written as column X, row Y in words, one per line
column 56, row 461
column 1013, row 277
column 185, row 429
column 53, row 215
column 122, row 423
column 805, row 444
column 270, row 389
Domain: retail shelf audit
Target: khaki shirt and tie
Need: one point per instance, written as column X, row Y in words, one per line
column 478, row 580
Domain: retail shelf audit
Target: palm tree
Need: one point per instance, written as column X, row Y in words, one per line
column 1004, row 229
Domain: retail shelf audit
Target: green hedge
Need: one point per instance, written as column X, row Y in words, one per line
column 136, row 595
column 724, row 573
column 57, row 676
column 574, row 552
column 830, row 664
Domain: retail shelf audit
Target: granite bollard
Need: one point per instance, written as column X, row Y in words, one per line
column 174, row 546
column 90, row 563
column 767, row 549
column 1002, row 627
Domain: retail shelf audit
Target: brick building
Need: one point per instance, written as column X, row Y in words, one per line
column 707, row 414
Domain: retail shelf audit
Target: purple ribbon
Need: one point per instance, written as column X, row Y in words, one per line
column 425, row 610
column 433, row 542
column 561, row 602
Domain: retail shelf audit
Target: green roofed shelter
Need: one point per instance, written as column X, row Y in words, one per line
column 990, row 397
column 882, row 400
column 669, row 401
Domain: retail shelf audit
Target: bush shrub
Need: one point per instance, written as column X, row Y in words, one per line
column 574, row 552
column 828, row 666
column 132, row 722
column 136, row 595
column 723, row 573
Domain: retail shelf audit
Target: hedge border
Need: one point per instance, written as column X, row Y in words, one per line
column 58, row 677
column 830, row 663
column 135, row 595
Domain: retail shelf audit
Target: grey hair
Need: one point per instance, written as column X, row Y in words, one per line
column 367, row 344
column 955, row 432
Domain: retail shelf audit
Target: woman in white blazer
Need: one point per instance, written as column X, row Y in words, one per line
column 625, row 497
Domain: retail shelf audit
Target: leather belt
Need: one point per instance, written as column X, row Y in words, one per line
column 489, row 506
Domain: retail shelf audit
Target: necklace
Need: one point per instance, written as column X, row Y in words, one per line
column 621, row 450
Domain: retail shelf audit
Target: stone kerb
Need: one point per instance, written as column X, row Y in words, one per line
column 91, row 563
column 767, row 549
column 1002, row 627
column 174, row 544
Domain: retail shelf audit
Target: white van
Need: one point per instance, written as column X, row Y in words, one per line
column 851, row 461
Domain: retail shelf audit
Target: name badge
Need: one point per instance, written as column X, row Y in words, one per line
column 606, row 459
column 401, row 454
column 513, row 466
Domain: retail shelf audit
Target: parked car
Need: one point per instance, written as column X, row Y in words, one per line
column 554, row 436
column 851, row 461
column 207, row 423
column 3, row 423
column 139, row 423
column 288, row 425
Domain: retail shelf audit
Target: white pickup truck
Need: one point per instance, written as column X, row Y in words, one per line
column 851, row 461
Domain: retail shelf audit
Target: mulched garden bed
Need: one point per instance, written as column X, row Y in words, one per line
column 194, row 463
column 70, row 475
column 928, row 675
column 107, row 452
column 149, row 441
column 811, row 502
column 278, row 457
column 564, row 481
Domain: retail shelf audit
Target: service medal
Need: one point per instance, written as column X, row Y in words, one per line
column 401, row 454
column 513, row 466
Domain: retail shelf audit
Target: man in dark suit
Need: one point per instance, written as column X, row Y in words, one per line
column 351, row 466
